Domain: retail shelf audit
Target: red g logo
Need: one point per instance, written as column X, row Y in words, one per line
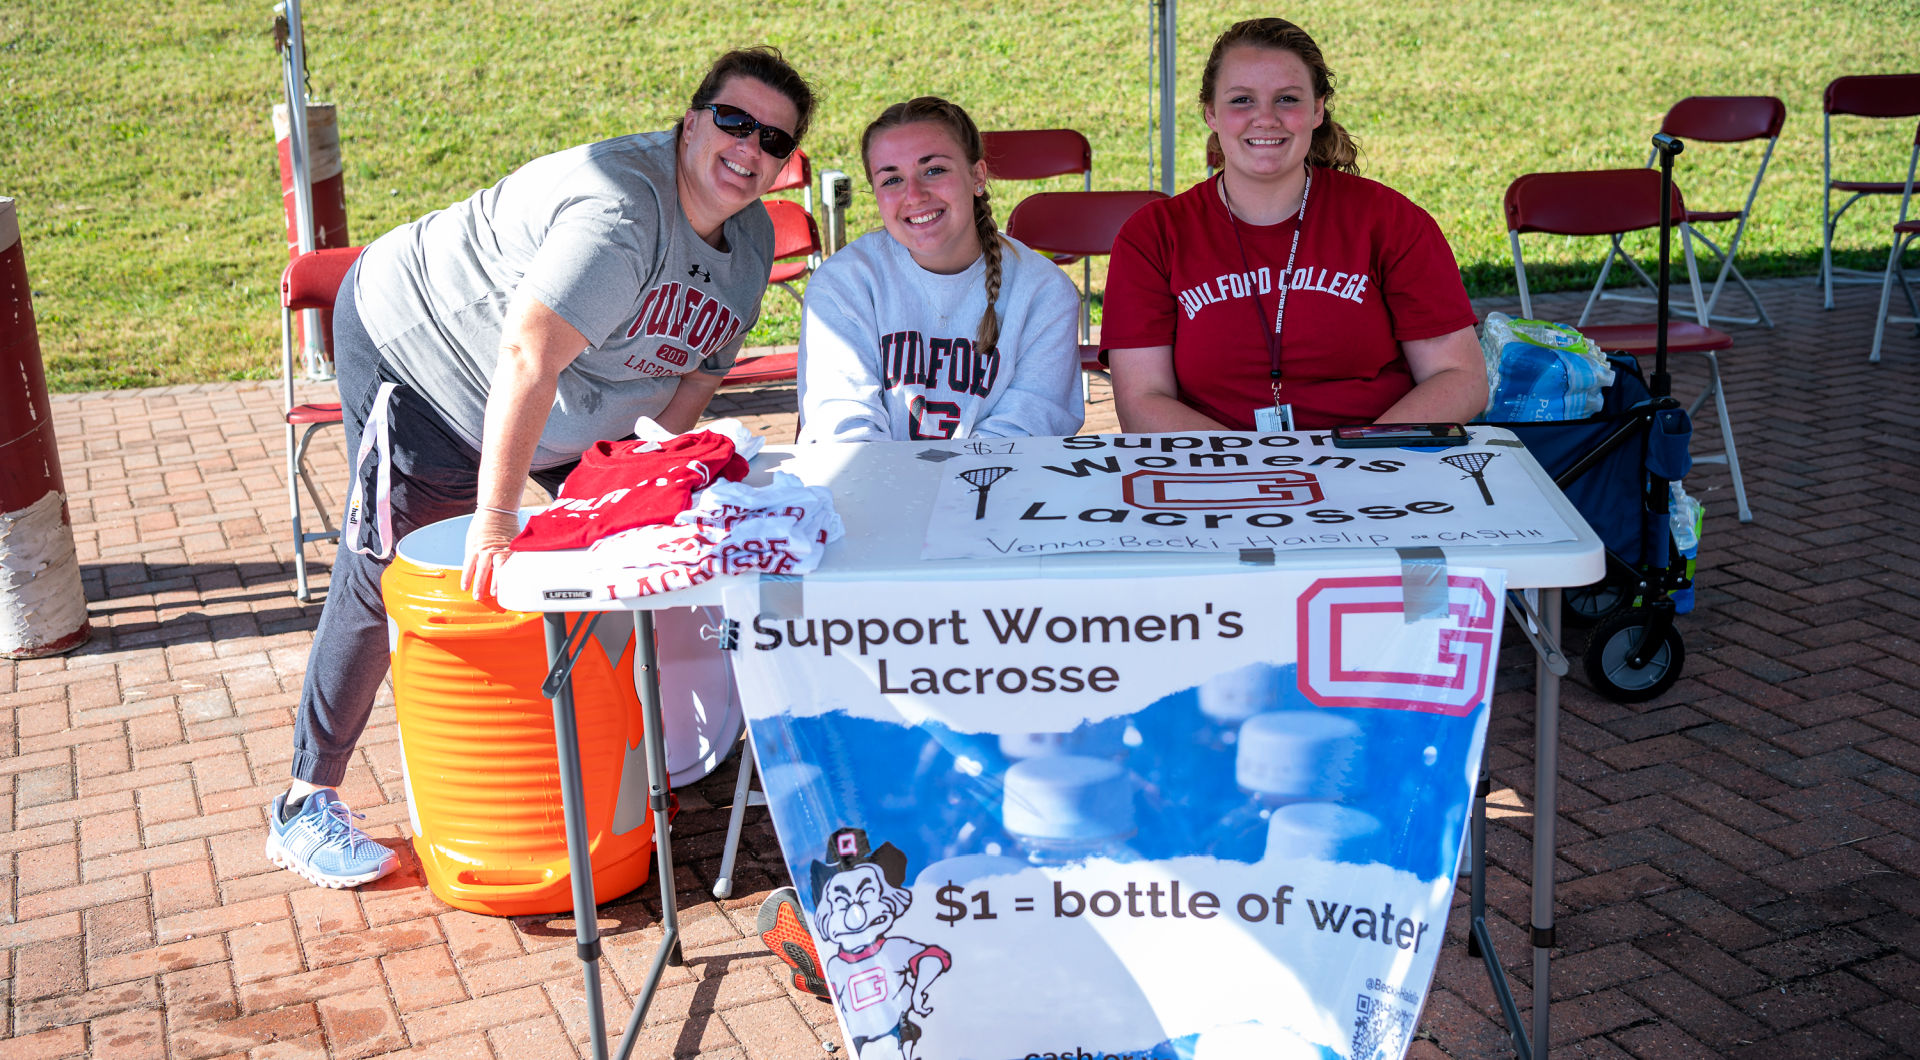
column 1349, row 659
column 1174, row 490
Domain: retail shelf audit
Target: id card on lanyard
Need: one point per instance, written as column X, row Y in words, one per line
column 1279, row 415
column 1275, row 417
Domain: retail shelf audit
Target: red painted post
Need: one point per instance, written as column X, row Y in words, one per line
column 43, row 610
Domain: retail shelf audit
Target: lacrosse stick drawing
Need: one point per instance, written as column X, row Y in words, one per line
column 982, row 480
column 1473, row 464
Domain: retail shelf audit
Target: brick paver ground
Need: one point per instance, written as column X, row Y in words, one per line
column 1737, row 862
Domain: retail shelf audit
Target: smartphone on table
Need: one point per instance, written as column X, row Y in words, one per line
column 1392, row 435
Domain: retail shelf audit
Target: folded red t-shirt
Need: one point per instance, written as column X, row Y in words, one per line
column 621, row 485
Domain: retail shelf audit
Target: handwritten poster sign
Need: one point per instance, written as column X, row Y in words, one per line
column 1174, row 818
column 1224, row 492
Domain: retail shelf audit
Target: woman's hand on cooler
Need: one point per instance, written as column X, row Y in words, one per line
column 489, row 539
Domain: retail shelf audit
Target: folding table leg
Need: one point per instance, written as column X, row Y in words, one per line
column 1546, row 777
column 579, row 858
column 1479, row 939
column 1530, row 610
column 646, row 663
column 586, row 922
column 1477, row 862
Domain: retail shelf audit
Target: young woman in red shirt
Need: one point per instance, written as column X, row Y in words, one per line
column 1287, row 291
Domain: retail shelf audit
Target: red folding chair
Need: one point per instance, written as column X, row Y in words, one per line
column 797, row 173
column 311, row 281
column 1084, row 225
column 1602, row 203
column 1871, row 96
column 1904, row 233
column 1720, row 120
column 796, row 242
column 796, row 252
column 780, row 366
column 1037, row 154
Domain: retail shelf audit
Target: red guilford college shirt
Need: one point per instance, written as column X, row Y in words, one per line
column 1373, row 271
column 621, row 485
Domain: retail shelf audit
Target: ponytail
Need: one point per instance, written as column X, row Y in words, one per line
column 1333, row 147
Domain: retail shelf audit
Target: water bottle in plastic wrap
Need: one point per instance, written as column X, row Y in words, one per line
column 1541, row 371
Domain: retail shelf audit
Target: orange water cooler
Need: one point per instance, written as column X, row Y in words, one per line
column 476, row 737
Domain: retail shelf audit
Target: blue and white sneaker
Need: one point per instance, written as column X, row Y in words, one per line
column 321, row 844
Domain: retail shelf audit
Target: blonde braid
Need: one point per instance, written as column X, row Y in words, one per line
column 990, row 248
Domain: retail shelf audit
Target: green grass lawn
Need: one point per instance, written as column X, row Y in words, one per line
column 136, row 138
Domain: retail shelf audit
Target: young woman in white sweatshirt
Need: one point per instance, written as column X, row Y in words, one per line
column 938, row 326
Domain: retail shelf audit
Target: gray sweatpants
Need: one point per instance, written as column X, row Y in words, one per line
column 435, row 477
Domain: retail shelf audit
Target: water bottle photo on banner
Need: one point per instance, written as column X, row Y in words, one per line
column 1177, row 818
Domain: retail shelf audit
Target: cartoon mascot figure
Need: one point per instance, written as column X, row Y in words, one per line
column 880, row 980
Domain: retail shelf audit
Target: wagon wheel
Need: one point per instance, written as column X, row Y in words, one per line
column 1609, row 658
column 1589, row 605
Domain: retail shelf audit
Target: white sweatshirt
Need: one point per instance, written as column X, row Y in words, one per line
column 887, row 349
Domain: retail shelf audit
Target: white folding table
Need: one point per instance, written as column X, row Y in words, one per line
column 884, row 492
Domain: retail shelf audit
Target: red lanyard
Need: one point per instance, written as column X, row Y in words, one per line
column 1280, row 313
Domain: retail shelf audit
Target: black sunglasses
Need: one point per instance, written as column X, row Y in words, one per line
column 739, row 124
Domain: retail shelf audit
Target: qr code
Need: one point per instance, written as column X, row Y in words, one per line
column 1380, row 1030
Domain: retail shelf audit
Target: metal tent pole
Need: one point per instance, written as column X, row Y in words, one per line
column 293, row 66
column 293, row 71
column 1168, row 18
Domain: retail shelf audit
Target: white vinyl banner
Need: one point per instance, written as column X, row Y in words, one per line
column 1197, row 818
column 1227, row 492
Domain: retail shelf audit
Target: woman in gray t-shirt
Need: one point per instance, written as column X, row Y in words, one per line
column 502, row 336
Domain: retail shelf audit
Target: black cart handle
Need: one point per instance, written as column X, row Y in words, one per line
column 1666, row 147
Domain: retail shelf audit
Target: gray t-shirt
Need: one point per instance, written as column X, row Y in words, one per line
column 595, row 233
